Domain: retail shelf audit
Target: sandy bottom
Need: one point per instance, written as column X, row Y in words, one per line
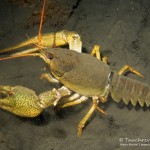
column 122, row 28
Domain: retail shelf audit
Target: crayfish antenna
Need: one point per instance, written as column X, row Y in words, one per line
column 41, row 23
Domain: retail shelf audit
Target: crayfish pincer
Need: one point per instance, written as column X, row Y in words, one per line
column 24, row 102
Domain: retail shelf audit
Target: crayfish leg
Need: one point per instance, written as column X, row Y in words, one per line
column 126, row 68
column 97, row 52
column 75, row 102
column 88, row 115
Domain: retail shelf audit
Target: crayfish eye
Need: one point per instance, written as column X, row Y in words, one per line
column 50, row 55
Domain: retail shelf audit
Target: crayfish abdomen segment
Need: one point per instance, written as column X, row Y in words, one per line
column 129, row 89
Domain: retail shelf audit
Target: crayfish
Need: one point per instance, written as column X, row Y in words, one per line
column 90, row 77
column 81, row 73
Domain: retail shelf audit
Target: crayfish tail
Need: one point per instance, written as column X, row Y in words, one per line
column 130, row 90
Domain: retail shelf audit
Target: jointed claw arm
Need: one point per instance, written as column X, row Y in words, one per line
column 24, row 102
column 54, row 39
